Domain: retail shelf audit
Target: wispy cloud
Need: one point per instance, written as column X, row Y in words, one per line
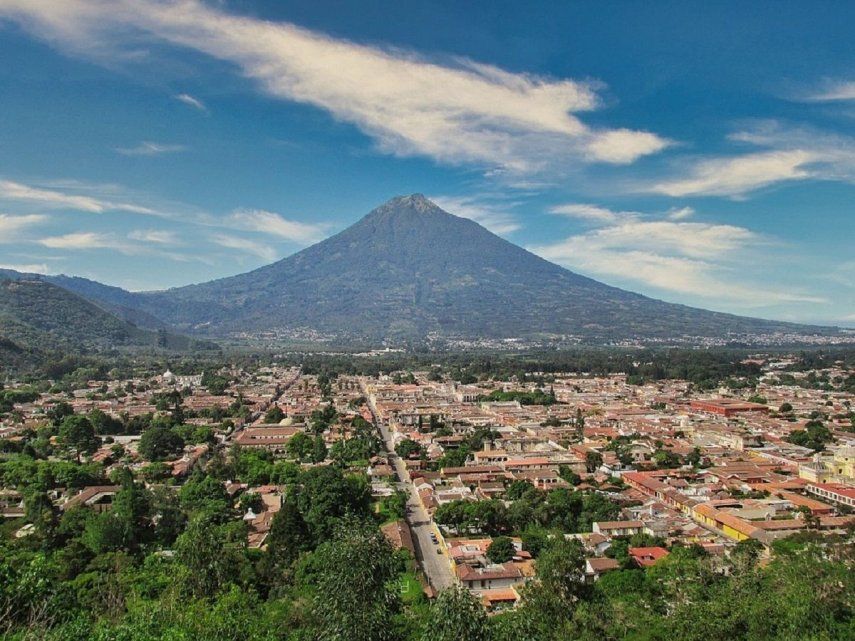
column 134, row 244
column 455, row 111
column 158, row 237
column 268, row 222
column 739, row 175
column 592, row 213
column 187, row 99
column 29, row 268
column 148, row 148
column 82, row 240
column 831, row 91
column 485, row 211
column 51, row 198
column 245, row 245
column 689, row 258
column 11, row 225
column 785, row 154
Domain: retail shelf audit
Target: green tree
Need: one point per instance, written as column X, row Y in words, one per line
column 160, row 444
column 319, row 449
column 300, row 446
column 274, row 415
column 289, row 534
column 212, row 554
column 501, row 549
column 408, row 448
column 456, row 615
column 593, row 460
column 78, row 436
column 354, row 598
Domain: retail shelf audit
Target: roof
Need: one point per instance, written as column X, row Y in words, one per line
column 618, row 525
column 603, row 564
column 89, row 493
column 503, row 571
column 499, row 595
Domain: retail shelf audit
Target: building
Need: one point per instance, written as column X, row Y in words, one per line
column 726, row 406
column 835, row 492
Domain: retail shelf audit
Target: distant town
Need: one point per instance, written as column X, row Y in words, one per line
column 472, row 480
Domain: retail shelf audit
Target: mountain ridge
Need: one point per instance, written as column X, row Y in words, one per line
column 408, row 270
column 38, row 317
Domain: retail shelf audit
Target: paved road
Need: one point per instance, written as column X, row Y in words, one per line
column 435, row 566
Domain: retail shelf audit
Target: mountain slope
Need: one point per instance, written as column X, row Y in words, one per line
column 114, row 300
column 409, row 269
column 37, row 317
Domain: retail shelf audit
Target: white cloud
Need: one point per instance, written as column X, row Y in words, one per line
column 739, row 175
column 245, row 245
column 680, row 213
column 80, row 240
column 591, row 213
column 689, row 258
column 64, row 199
column 268, row 222
column 787, row 154
column 187, row 99
column 458, row 111
column 148, row 148
column 493, row 216
column 833, row 91
column 156, row 236
column 623, row 146
column 10, row 225
column 33, row 268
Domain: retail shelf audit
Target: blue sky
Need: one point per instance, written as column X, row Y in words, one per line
column 702, row 153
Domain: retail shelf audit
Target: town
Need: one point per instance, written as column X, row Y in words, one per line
column 474, row 484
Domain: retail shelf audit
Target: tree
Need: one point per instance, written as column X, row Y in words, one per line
column 300, row 446
column 354, row 598
column 456, row 615
column 693, row 458
column 103, row 423
column 160, row 444
column 59, row 412
column 561, row 569
column 41, row 512
column 212, row 555
column 251, row 501
column 814, row 436
column 206, row 494
column 319, row 450
column 501, row 549
column 666, row 459
column 593, row 460
column 274, row 415
column 408, row 448
column 77, row 435
column 327, row 496
column 289, row 534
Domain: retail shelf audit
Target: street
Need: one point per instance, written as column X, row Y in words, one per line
column 435, row 566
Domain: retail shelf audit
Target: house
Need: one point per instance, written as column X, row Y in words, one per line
column 273, row 439
column 499, row 599
column 97, row 497
column 596, row 567
column 618, row 528
column 645, row 557
column 491, row 577
column 399, row 535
